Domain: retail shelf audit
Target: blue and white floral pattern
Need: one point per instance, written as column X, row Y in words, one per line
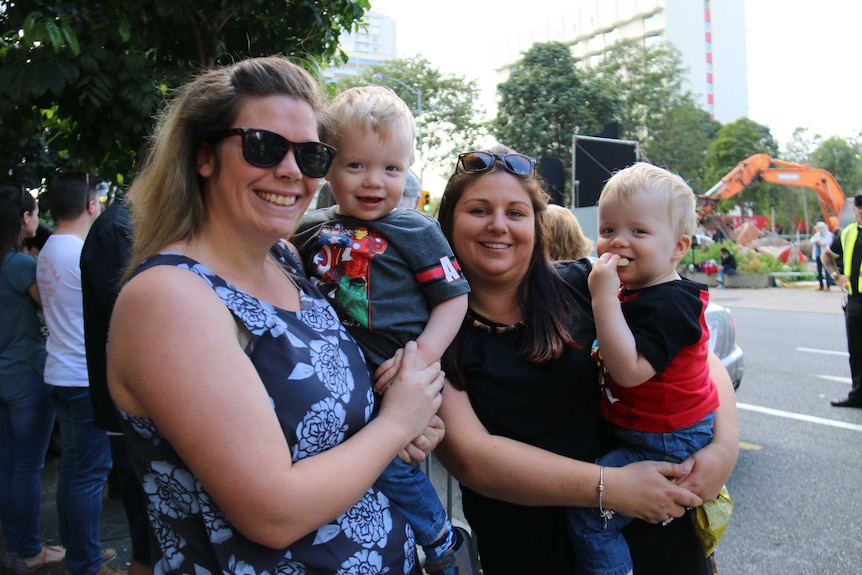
column 320, row 390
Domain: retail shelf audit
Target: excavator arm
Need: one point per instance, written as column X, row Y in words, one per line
column 763, row 168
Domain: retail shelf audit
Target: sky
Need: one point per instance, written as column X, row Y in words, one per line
column 803, row 57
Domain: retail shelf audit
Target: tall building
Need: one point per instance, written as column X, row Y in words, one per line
column 372, row 45
column 710, row 36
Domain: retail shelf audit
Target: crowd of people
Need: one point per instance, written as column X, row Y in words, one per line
column 268, row 379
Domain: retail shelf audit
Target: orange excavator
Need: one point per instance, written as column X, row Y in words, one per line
column 763, row 168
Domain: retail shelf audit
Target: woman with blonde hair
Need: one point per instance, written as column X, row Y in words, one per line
column 245, row 403
column 821, row 240
column 566, row 239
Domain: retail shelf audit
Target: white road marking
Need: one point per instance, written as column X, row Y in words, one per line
column 800, row 417
column 847, row 380
column 823, row 351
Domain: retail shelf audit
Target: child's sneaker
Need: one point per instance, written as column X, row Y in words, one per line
column 459, row 560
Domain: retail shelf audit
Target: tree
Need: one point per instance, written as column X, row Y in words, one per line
column 548, row 99
column 798, row 149
column 735, row 142
column 657, row 110
column 841, row 158
column 80, row 82
column 447, row 122
column 679, row 141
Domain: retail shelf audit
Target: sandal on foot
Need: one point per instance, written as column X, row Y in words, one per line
column 459, row 560
column 50, row 555
column 108, row 553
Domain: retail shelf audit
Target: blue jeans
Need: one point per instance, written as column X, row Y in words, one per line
column 85, row 462
column 26, row 421
column 412, row 491
column 823, row 277
column 603, row 550
column 721, row 274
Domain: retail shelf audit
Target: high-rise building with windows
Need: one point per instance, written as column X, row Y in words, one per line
column 372, row 45
column 710, row 36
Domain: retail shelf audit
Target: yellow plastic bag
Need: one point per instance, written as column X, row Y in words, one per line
column 710, row 520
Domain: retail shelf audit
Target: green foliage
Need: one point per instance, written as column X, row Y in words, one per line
column 448, row 121
column 735, row 142
column 648, row 81
column 80, row 84
column 657, row 110
column 840, row 158
column 679, row 141
column 747, row 260
column 548, row 99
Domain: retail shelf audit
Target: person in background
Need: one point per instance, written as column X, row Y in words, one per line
column 521, row 404
column 33, row 245
column 410, row 197
column 391, row 275
column 85, row 458
column 652, row 343
column 839, row 261
column 104, row 258
column 245, row 403
column 821, row 240
column 26, row 417
column 847, row 246
column 727, row 267
column 566, row 239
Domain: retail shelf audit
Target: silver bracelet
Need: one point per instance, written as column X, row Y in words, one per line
column 605, row 514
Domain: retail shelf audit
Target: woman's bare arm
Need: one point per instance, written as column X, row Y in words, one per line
column 174, row 357
column 33, row 290
column 512, row 471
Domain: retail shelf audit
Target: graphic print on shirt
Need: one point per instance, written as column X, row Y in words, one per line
column 604, row 376
column 344, row 263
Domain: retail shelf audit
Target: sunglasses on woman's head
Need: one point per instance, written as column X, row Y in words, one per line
column 478, row 162
column 266, row 149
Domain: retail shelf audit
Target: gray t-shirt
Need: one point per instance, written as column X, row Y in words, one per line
column 22, row 349
column 383, row 276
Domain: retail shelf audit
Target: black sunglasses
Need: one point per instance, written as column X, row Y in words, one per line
column 857, row 201
column 478, row 162
column 266, row 149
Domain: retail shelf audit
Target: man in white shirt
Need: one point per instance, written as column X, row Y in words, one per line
column 85, row 453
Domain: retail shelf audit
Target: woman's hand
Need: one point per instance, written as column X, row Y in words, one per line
column 385, row 374
column 644, row 490
column 418, row 449
column 414, row 395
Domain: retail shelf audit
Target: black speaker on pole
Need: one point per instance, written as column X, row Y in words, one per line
column 553, row 178
column 596, row 158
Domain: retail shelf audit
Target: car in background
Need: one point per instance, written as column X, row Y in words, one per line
column 722, row 340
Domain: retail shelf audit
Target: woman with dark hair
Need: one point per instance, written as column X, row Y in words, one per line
column 521, row 406
column 26, row 417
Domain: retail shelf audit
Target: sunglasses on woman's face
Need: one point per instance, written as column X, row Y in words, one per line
column 266, row 149
column 478, row 162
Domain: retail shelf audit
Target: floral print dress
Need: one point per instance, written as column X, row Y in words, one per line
column 319, row 386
